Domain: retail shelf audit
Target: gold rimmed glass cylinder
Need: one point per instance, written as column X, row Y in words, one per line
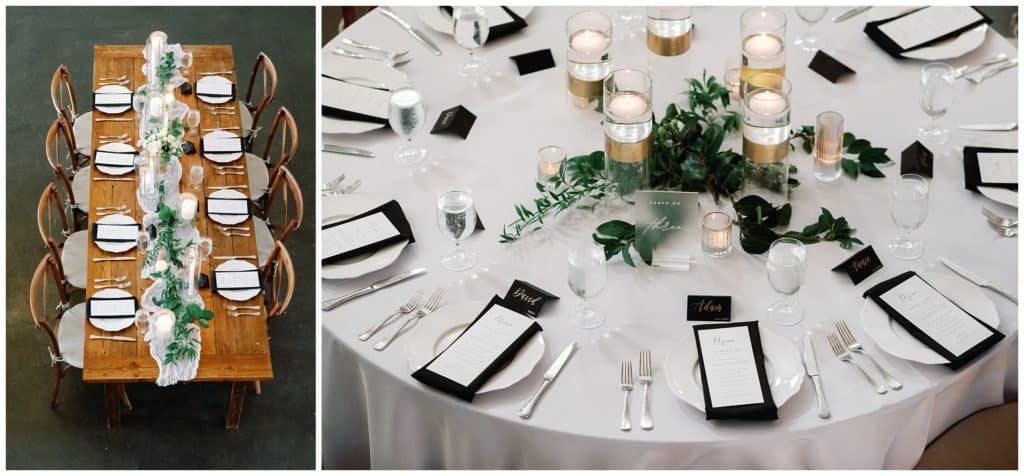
column 628, row 122
column 588, row 57
column 766, row 133
column 763, row 44
column 668, row 30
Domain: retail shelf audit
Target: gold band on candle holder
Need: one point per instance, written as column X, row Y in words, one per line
column 585, row 89
column 627, row 152
column 765, row 153
column 668, row 46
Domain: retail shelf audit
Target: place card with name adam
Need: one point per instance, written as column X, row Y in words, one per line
column 862, row 264
column 709, row 308
column 526, row 298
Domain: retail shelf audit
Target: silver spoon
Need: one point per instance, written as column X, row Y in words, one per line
column 999, row 220
column 1005, row 232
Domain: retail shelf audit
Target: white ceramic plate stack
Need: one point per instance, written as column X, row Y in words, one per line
column 114, row 89
column 222, row 158
column 336, row 209
column 215, row 83
column 116, row 246
column 112, row 324
column 118, row 147
column 228, row 219
column 239, row 294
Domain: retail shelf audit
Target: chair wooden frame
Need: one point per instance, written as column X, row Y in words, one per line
column 43, row 322
column 61, row 86
column 49, row 205
column 277, row 275
column 289, row 141
column 61, row 128
column 283, row 185
column 268, row 80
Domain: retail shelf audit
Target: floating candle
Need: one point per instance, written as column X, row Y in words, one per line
column 163, row 323
column 589, row 42
column 766, row 102
column 189, row 205
column 627, row 105
column 762, row 45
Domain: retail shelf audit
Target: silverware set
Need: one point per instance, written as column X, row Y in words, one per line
column 236, row 307
column 113, row 338
column 114, row 286
column 390, row 61
column 215, row 129
column 346, row 150
column 120, row 137
column 1000, row 127
column 233, row 228
column 979, row 73
column 229, row 169
column 120, row 208
column 112, row 179
column 1003, row 226
column 234, row 257
column 222, row 110
column 412, row 31
column 851, row 343
column 215, row 73
column 113, row 119
column 114, row 258
column 116, row 279
column 977, row 280
column 376, row 49
column 243, row 313
column 556, row 367
column 646, row 377
column 359, row 81
column 329, row 304
column 843, row 354
column 971, row 68
column 406, row 308
column 122, row 77
column 226, row 187
column 336, row 188
column 120, row 211
column 432, row 304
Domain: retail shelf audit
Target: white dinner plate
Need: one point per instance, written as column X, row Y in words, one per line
column 440, row 21
column 115, row 246
column 116, row 147
column 361, row 71
column 782, row 364
column 894, row 339
column 115, row 324
column 336, row 209
column 228, row 219
column 439, row 329
column 210, row 80
column 1001, row 195
column 113, row 89
column 956, row 47
column 222, row 158
column 242, row 294
column 330, row 125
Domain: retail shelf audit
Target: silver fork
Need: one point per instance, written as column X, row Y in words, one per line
column 851, row 343
column 234, row 233
column 967, row 68
column 383, row 51
column 114, row 286
column 980, row 76
column 431, row 306
column 626, row 384
column 1005, row 232
column 844, row 355
column 388, row 61
column 406, row 308
column 999, row 220
column 343, row 190
column 328, row 186
column 646, row 378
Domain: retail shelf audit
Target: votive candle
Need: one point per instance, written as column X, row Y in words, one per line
column 189, row 205
column 163, row 323
column 828, row 146
column 549, row 162
column 716, row 236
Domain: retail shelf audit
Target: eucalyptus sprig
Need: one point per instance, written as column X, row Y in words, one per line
column 868, row 156
column 165, row 70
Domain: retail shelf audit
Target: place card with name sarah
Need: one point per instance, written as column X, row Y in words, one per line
column 862, row 264
column 526, row 298
column 709, row 308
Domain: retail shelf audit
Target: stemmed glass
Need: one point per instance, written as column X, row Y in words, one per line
column 909, row 208
column 456, row 218
column 938, row 87
column 144, row 241
column 787, row 268
column 195, row 177
column 471, row 29
column 587, row 278
column 405, row 116
column 811, row 15
column 192, row 120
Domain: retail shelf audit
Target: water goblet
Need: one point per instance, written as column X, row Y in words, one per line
column 192, row 121
column 587, row 277
column 471, row 28
column 787, row 268
column 456, row 218
column 405, row 116
column 195, row 177
column 938, row 88
column 909, row 209
column 809, row 41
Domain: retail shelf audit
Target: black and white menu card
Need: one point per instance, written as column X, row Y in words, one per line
column 117, row 232
column 490, row 342
column 112, row 99
column 215, row 89
column 923, row 27
column 990, row 167
column 110, row 307
column 236, row 280
column 369, row 231
column 221, row 145
column 343, row 100
column 116, row 159
column 933, row 319
column 732, row 372
column 228, row 206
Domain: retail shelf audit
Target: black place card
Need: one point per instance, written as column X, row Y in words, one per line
column 457, row 120
column 732, row 371
column 862, row 264
column 527, row 298
column 829, row 67
column 188, row 147
column 709, row 308
column 111, row 307
column 151, row 229
column 534, row 61
column 204, row 281
column 185, row 88
column 916, row 159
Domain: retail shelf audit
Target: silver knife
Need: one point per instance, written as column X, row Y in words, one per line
column 850, row 14
column 344, row 149
column 1004, row 127
column 978, row 280
column 811, row 365
column 416, row 34
column 332, row 303
column 549, row 377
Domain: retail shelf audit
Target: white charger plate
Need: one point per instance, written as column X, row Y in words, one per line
column 212, row 80
column 228, row 219
column 221, row 158
column 336, row 209
column 115, row 246
column 116, row 147
column 894, row 339
column 438, row 330
column 117, row 324
column 782, row 365
column 1001, row 195
column 237, row 295
column 442, row 23
column 113, row 89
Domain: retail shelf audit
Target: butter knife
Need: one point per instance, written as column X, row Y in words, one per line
column 850, row 14
column 332, row 303
column 978, row 280
column 414, row 32
column 344, row 149
column 1004, row 127
column 811, row 365
column 549, row 377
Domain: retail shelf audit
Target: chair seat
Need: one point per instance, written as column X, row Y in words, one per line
column 71, row 335
column 264, row 240
column 74, row 257
column 246, row 116
column 83, row 133
column 259, row 176
column 80, row 187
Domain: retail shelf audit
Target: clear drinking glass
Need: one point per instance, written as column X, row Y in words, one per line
column 588, row 57
column 731, row 75
column 195, row 177
column 828, row 146
column 809, row 41
column 192, row 121
column 938, row 88
column 456, row 218
column 205, row 246
column 549, row 163
column 471, row 30
column 587, row 278
column 787, row 268
column 909, row 209
column 716, row 234
column 763, row 44
column 143, row 242
column 405, row 116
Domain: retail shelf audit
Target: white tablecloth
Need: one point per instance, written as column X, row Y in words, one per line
column 376, row 415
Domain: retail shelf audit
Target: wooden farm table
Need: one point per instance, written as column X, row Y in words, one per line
column 234, row 349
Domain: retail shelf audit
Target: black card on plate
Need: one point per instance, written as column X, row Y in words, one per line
column 862, row 264
column 738, row 379
column 972, row 169
column 534, row 61
column 96, row 301
column 916, row 159
column 457, row 120
column 709, row 308
column 186, row 88
column 527, row 298
column 874, row 30
column 829, row 67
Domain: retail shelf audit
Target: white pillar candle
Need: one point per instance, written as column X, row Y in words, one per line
column 189, row 205
column 160, row 266
column 627, row 105
column 588, row 42
column 163, row 323
column 762, row 46
column 766, row 102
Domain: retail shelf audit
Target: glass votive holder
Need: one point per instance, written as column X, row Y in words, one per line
column 195, row 177
column 550, row 160
column 731, row 75
column 628, row 123
column 828, row 146
column 763, row 31
column 588, row 57
column 189, row 206
column 668, row 30
column 716, row 234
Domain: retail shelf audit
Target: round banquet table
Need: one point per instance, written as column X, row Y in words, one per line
column 376, row 415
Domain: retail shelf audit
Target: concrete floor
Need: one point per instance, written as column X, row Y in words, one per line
column 181, row 426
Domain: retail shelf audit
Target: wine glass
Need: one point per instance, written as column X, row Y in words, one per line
column 787, row 268
column 938, row 87
column 192, row 120
column 405, row 116
column 456, row 218
column 205, row 246
column 144, row 241
column 811, row 15
column 587, row 278
column 471, row 30
column 195, row 177
column 909, row 208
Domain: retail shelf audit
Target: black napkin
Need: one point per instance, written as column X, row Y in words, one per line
column 955, row 362
column 213, row 95
column 889, row 46
column 99, row 157
column 467, row 393
column 758, row 411
column 350, row 116
column 95, row 229
column 393, row 211
column 534, row 61
column 248, row 205
column 217, row 288
column 499, row 31
column 88, row 307
column 188, row 148
column 128, row 104
column 829, row 67
column 972, row 174
column 916, row 159
column 202, row 147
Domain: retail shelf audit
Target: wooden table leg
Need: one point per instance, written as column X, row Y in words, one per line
column 113, row 398
column 235, row 401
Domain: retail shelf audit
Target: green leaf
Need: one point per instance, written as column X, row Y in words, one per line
column 627, row 258
column 848, row 139
column 616, row 228
column 858, row 146
column 849, row 167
